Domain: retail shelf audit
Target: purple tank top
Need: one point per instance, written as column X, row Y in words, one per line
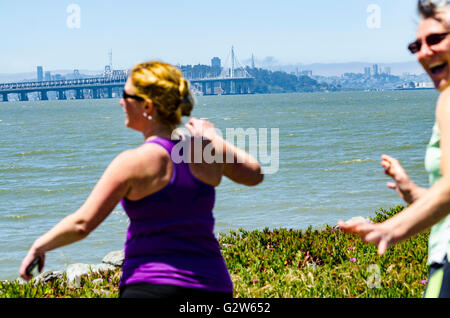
column 170, row 239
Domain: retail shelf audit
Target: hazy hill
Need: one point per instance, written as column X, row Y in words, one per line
column 323, row 69
column 17, row 77
column 337, row 69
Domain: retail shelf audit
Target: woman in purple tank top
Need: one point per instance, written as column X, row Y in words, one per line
column 167, row 191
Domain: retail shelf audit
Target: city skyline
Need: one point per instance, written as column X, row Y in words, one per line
column 368, row 69
column 213, row 79
column 78, row 35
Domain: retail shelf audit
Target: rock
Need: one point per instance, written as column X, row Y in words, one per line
column 75, row 271
column 354, row 219
column 358, row 219
column 102, row 267
column 20, row 281
column 48, row 276
column 313, row 266
column 101, row 291
column 114, row 258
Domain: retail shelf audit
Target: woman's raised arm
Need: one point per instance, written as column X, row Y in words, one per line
column 238, row 165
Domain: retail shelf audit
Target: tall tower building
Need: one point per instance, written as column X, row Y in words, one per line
column 40, row 74
column 216, row 62
column 216, row 66
column 375, row 69
column 110, row 59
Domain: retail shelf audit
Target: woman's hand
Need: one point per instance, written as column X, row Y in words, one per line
column 31, row 256
column 379, row 233
column 201, row 128
column 406, row 189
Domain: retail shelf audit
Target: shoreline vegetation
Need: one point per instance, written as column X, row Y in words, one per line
column 282, row 263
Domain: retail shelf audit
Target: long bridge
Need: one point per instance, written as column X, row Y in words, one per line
column 97, row 86
column 234, row 79
column 106, row 87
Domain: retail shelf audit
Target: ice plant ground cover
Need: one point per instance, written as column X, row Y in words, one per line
column 283, row 263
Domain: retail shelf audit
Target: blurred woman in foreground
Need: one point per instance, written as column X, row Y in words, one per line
column 427, row 207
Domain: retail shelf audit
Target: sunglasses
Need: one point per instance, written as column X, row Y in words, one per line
column 432, row 39
column 125, row 95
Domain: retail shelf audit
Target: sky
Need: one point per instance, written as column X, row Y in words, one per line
column 78, row 34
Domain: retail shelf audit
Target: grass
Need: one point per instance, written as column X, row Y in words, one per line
column 284, row 263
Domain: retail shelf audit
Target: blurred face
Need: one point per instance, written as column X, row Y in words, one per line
column 435, row 57
column 134, row 109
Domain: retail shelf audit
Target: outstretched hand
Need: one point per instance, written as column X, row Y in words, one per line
column 31, row 256
column 370, row 233
column 402, row 183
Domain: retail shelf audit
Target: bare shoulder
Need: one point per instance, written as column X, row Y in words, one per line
column 145, row 159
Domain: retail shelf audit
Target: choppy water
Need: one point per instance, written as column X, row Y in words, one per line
column 52, row 153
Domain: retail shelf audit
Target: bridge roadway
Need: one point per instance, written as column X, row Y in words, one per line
column 101, row 87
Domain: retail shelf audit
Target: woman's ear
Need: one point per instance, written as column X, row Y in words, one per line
column 149, row 104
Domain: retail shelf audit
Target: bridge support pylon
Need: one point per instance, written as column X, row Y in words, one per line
column 226, row 86
column 79, row 94
column 96, row 93
column 44, row 95
column 5, row 97
column 23, row 97
column 204, row 91
column 61, row 95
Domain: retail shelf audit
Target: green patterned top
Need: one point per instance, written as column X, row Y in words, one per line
column 439, row 241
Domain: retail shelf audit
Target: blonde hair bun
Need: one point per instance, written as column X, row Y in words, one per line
column 165, row 86
column 186, row 98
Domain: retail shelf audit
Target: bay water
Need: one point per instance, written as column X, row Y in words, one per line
column 52, row 153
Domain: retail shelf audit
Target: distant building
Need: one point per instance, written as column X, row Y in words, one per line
column 76, row 74
column 306, row 73
column 387, row 70
column 108, row 71
column 367, row 71
column 216, row 62
column 187, row 71
column 48, row 76
column 408, row 77
column 375, row 69
column 40, row 74
column 425, row 85
column 120, row 73
column 216, row 66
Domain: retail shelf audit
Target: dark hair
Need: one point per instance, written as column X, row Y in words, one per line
column 429, row 8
